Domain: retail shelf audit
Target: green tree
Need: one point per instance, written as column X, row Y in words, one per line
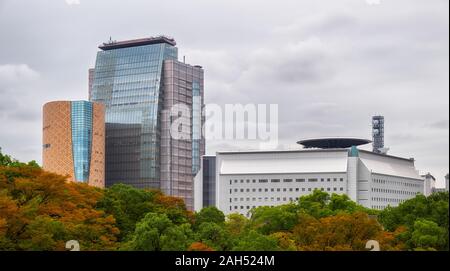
column 214, row 236
column 156, row 232
column 315, row 204
column 428, row 235
column 209, row 214
column 5, row 160
column 128, row 205
column 269, row 220
column 433, row 208
column 255, row 241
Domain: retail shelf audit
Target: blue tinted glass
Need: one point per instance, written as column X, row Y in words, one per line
column 81, row 139
column 128, row 81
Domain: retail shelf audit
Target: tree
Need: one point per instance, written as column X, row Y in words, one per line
column 42, row 211
column 214, row 236
column 284, row 241
column 128, row 205
column 427, row 235
column 156, row 232
column 315, row 204
column 255, row 241
column 174, row 208
column 199, row 246
column 209, row 214
column 339, row 232
column 267, row 220
column 432, row 209
column 236, row 224
column 5, row 160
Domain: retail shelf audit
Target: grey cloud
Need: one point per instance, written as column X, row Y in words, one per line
column 442, row 124
column 329, row 65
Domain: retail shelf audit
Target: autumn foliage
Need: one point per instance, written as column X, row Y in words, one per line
column 42, row 211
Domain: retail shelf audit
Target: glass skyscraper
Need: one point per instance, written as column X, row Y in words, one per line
column 139, row 81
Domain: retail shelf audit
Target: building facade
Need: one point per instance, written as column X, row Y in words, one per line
column 245, row 180
column 74, row 141
column 140, row 82
column 429, row 184
column 205, row 183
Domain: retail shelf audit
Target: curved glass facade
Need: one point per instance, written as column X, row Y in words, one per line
column 128, row 81
column 81, row 121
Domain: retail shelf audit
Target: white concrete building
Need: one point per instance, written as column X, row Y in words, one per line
column 429, row 184
column 245, row 180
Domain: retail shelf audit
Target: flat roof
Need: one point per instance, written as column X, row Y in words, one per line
column 111, row 45
column 333, row 142
column 281, row 151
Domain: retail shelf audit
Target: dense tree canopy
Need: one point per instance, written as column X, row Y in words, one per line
column 425, row 220
column 42, row 211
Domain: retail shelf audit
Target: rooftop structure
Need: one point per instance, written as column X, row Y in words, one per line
column 333, row 142
column 111, row 45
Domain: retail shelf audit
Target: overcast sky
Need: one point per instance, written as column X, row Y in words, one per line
column 330, row 65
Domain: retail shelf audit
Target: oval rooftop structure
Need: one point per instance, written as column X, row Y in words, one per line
column 333, row 142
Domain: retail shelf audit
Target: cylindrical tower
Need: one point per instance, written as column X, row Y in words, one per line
column 74, row 141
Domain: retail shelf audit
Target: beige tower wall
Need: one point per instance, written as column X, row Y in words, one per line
column 57, row 153
column 97, row 166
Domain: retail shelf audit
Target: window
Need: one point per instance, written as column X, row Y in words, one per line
column 300, row 180
column 312, row 180
column 275, row 180
column 263, row 180
column 287, row 180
